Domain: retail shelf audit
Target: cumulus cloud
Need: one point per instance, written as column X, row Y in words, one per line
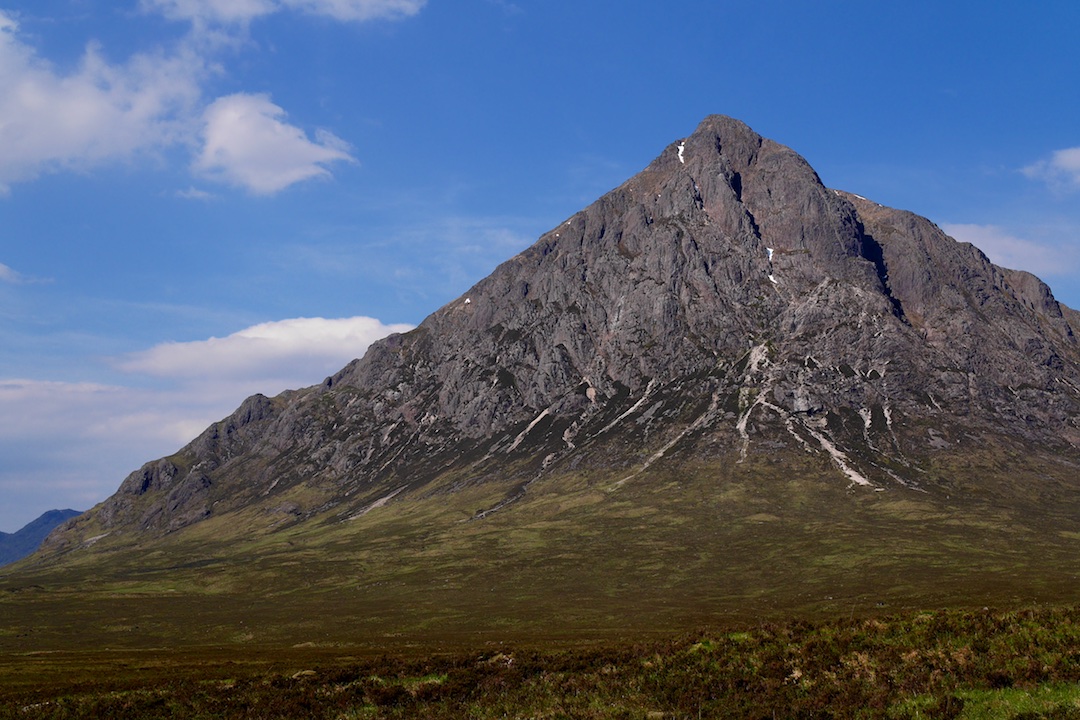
column 204, row 12
column 108, row 430
column 1010, row 251
column 299, row 351
column 51, row 120
column 1061, row 170
column 246, row 142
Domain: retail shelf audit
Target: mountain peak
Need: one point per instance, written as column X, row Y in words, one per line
column 720, row 303
column 721, row 389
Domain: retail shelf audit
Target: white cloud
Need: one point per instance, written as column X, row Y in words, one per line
column 53, row 120
column 14, row 277
column 359, row 10
column 214, row 11
column 247, row 143
column 1014, row 252
column 79, row 410
column 1061, row 170
column 99, row 112
column 297, row 352
column 241, row 11
column 9, row 275
column 103, row 112
column 109, row 430
column 194, row 193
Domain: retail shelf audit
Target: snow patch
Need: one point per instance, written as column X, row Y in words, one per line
column 769, row 250
column 772, row 279
column 682, row 147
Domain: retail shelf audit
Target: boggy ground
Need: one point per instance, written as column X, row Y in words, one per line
column 977, row 663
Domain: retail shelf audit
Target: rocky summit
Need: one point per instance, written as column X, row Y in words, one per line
column 722, row 366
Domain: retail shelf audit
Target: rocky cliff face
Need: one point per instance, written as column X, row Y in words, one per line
column 720, row 304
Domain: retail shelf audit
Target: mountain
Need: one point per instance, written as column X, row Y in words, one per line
column 17, row 545
column 720, row 387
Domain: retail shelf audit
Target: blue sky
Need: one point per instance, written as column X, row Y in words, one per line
column 202, row 199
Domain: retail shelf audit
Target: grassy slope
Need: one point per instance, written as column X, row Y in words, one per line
column 713, row 543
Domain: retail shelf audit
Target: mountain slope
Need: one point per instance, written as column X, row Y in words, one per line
column 721, row 365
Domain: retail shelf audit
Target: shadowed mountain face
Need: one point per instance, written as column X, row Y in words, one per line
column 721, row 320
column 17, row 545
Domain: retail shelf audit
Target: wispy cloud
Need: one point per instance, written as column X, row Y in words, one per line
column 8, row 275
column 242, row 11
column 14, row 277
column 214, row 11
column 1008, row 250
column 1061, row 170
column 358, row 9
column 107, row 432
column 508, row 7
column 194, row 193
column 436, row 258
column 246, row 142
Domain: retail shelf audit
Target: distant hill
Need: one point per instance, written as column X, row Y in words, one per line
column 17, row 545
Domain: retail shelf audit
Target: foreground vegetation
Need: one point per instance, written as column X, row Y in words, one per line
column 945, row 664
column 565, row 604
